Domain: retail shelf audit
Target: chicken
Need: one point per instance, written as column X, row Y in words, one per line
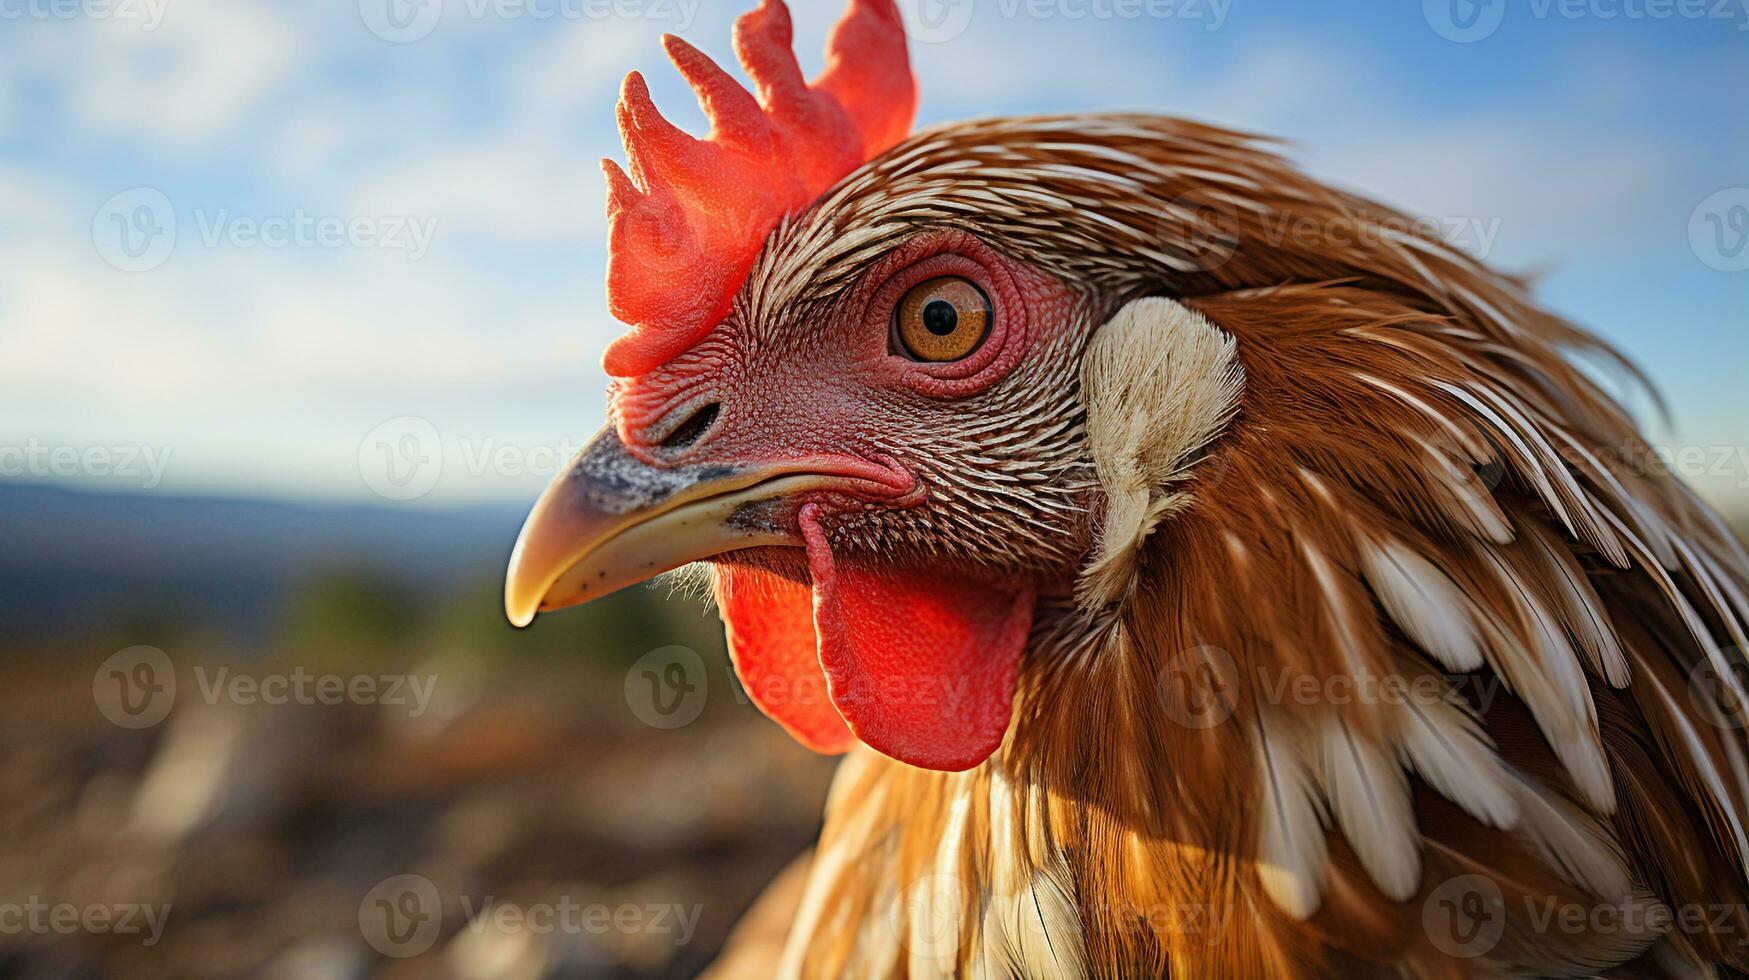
column 1188, row 598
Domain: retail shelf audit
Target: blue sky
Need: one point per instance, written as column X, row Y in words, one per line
column 384, row 278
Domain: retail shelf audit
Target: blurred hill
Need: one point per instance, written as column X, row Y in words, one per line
column 75, row 557
column 77, row 563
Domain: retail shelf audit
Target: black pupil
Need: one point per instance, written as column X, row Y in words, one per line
column 939, row 317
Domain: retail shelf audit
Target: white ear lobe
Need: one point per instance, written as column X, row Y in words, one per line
column 1158, row 383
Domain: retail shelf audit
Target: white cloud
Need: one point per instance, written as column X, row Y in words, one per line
column 64, row 338
column 1318, row 87
column 188, row 81
column 999, row 63
column 1552, row 192
column 264, row 369
column 523, row 188
column 576, row 70
column 261, row 327
column 32, row 202
column 531, row 175
column 1551, row 186
column 308, row 141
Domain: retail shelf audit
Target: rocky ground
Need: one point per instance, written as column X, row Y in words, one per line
column 525, row 825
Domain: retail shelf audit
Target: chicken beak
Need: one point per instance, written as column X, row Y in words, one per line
column 611, row 520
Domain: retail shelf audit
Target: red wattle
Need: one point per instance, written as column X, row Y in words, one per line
column 921, row 665
column 769, row 621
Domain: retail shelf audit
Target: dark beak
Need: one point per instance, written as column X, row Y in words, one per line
column 611, row 520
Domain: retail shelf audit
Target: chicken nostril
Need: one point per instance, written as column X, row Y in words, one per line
column 689, row 431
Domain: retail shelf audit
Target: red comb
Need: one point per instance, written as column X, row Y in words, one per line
column 684, row 227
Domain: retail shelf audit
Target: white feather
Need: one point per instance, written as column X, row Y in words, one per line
column 1575, row 844
column 1702, row 760
column 934, row 914
column 1291, row 850
column 1369, row 797
column 1548, row 678
column 1032, row 926
column 1425, row 603
column 1445, row 744
column 1581, row 609
column 1158, row 383
column 1342, row 614
column 1469, row 501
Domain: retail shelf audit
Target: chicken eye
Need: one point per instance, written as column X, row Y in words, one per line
column 942, row 319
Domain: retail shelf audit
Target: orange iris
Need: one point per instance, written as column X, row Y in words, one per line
column 942, row 319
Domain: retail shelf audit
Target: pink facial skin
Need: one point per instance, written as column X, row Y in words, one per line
column 814, row 388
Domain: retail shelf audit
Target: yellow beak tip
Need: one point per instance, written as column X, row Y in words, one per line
column 520, row 612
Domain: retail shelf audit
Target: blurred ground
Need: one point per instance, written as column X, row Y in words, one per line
column 261, row 830
column 384, row 780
